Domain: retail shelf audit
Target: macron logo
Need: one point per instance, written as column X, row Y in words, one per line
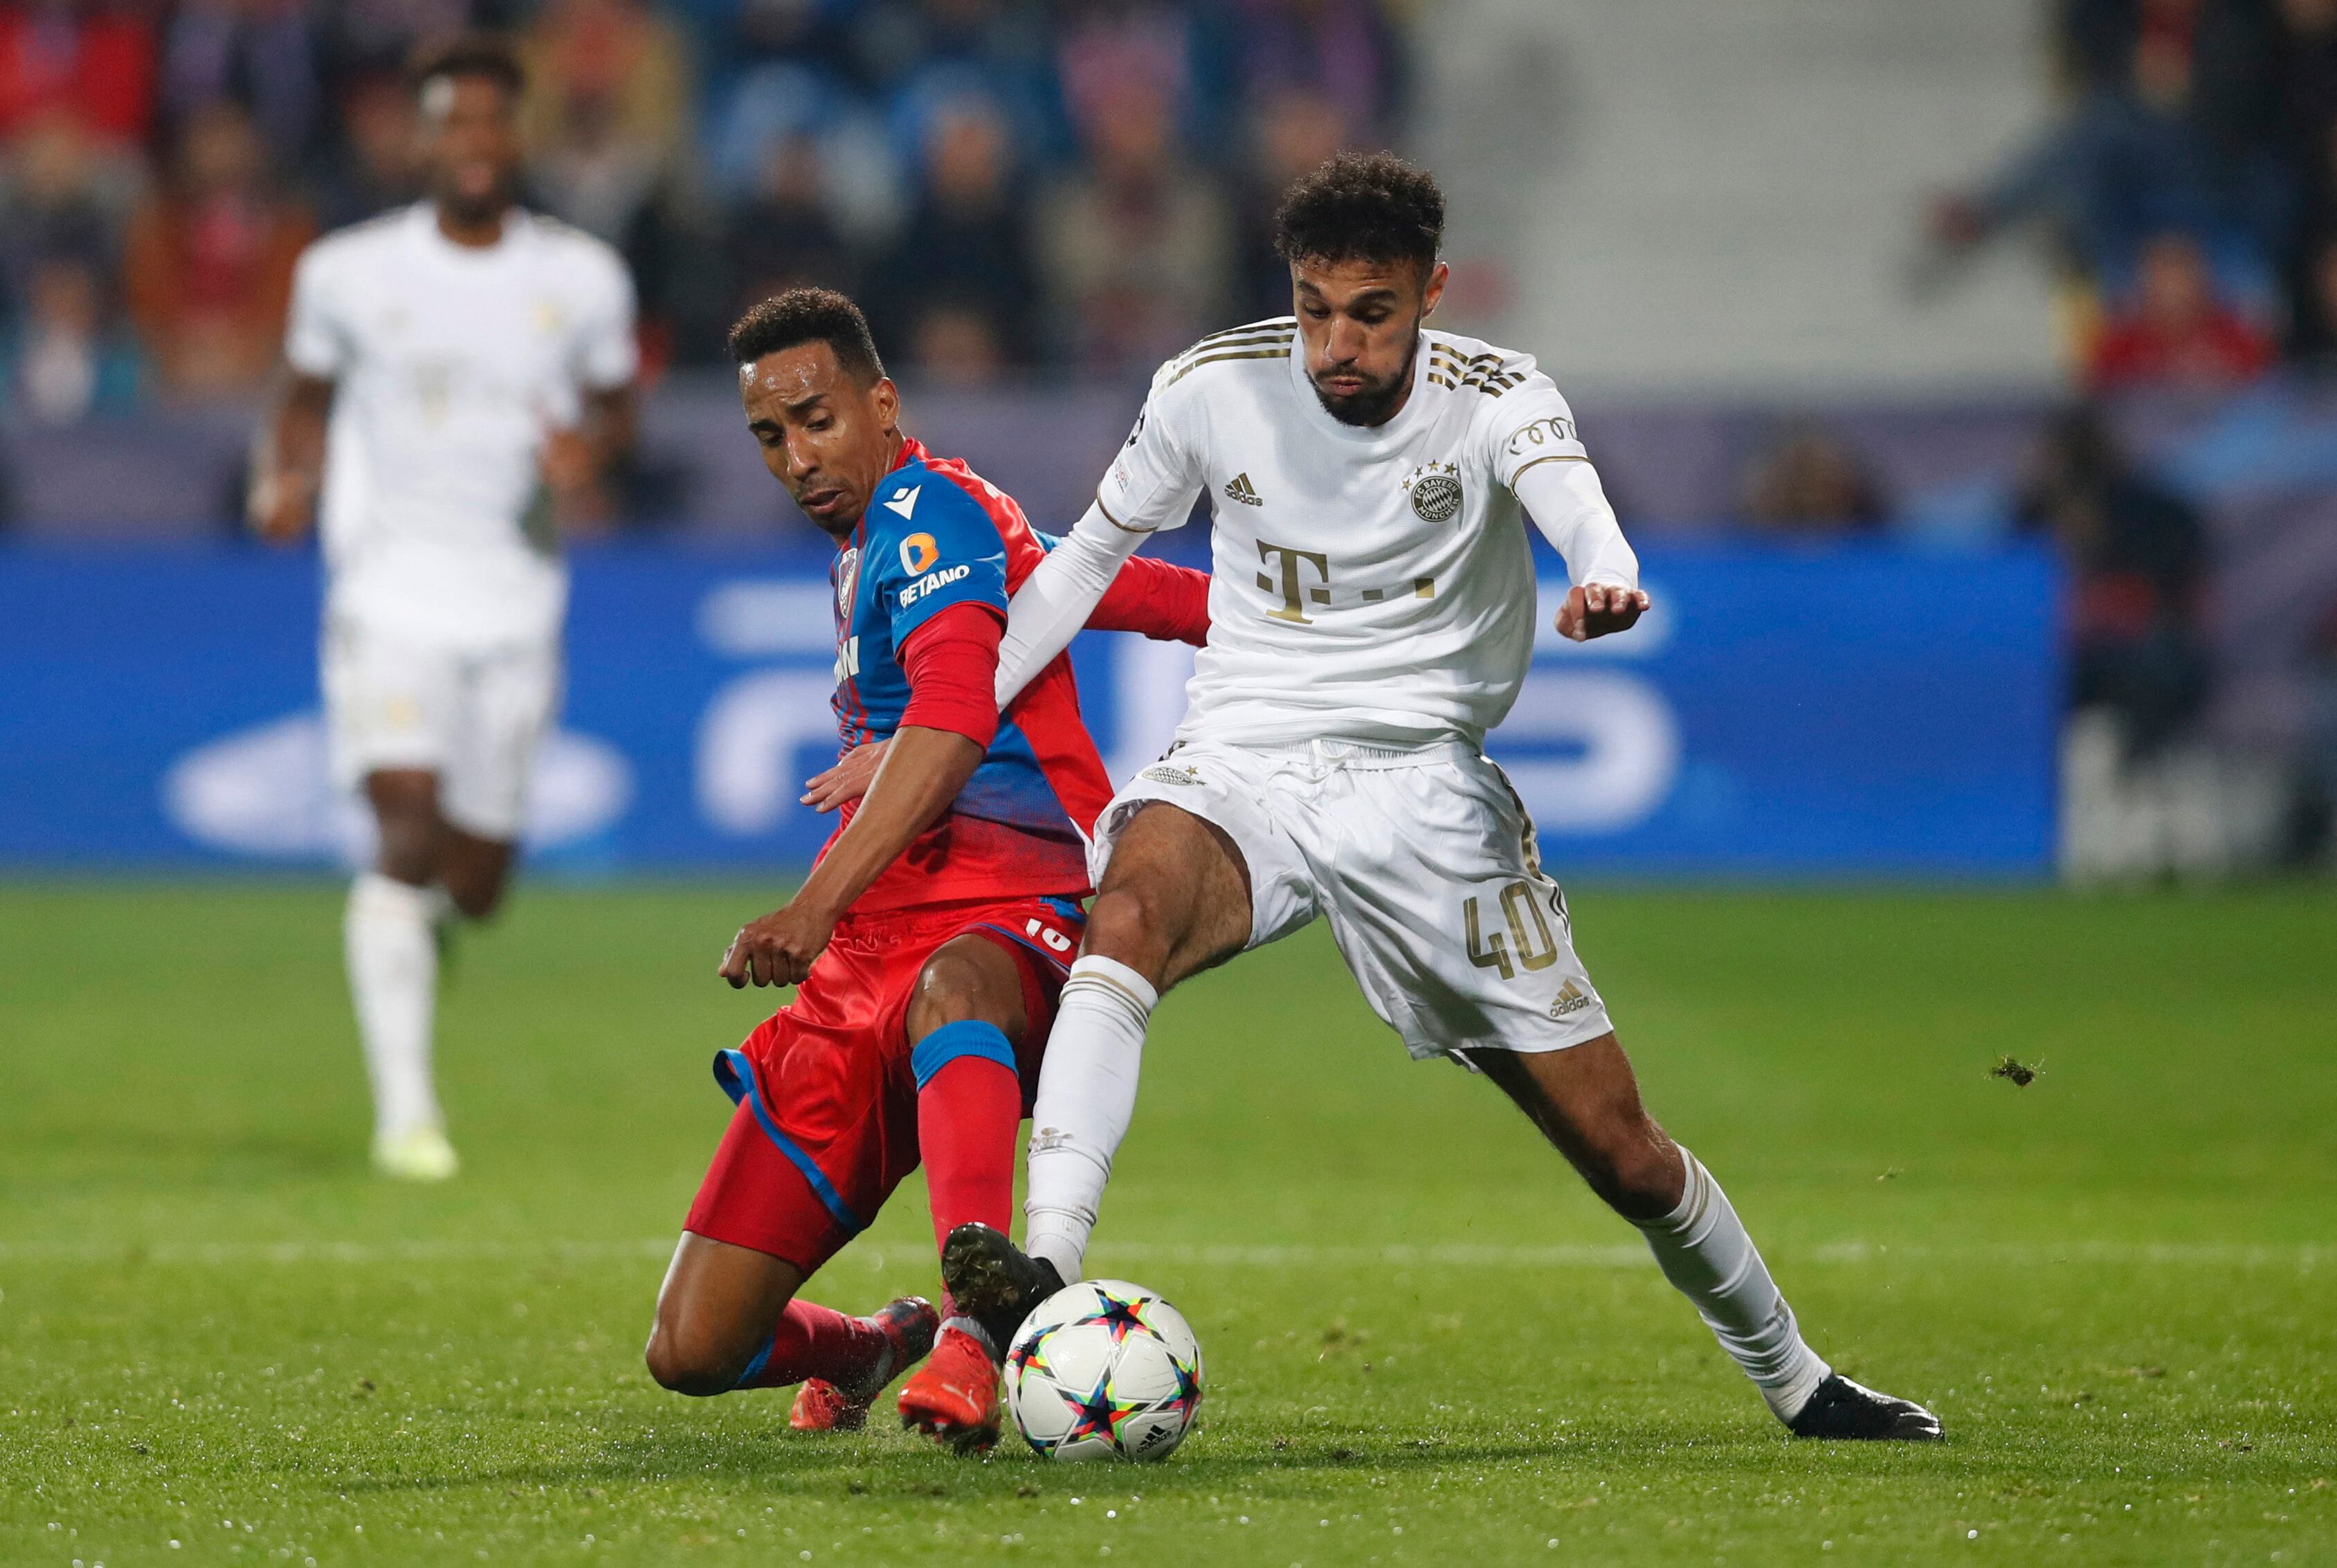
column 904, row 500
column 931, row 581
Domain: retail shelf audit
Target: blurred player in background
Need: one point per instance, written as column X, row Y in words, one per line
column 460, row 371
column 1372, row 615
column 931, row 938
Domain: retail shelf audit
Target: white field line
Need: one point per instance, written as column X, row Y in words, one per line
column 1110, row 1256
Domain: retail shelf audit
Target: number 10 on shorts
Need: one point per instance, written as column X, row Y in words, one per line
column 1535, row 950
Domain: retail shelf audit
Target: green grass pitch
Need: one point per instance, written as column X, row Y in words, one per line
column 221, row 1340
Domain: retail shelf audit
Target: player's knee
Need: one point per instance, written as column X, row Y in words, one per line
column 475, row 897
column 954, row 988
column 1636, row 1170
column 410, row 840
column 1129, row 925
column 691, row 1364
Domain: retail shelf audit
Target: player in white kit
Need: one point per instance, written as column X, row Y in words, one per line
column 1371, row 618
column 458, row 370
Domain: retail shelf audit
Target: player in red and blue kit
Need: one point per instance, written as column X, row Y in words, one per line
column 932, row 936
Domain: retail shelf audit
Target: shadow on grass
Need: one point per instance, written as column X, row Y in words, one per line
column 885, row 1466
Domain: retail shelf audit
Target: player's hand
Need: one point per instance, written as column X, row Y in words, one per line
column 848, row 780
column 777, row 950
column 569, row 464
column 280, row 505
column 1596, row 610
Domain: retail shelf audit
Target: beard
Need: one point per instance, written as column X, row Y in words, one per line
column 1376, row 403
column 477, row 208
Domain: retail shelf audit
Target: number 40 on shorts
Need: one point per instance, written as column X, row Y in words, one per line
column 1527, row 943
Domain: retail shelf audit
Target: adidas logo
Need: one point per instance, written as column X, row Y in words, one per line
column 1238, row 488
column 1571, row 998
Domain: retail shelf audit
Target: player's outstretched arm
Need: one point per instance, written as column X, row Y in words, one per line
column 1565, row 500
column 1155, row 600
column 1056, row 599
column 288, row 458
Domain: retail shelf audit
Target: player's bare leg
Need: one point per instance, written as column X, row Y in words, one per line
column 391, row 938
column 1586, row 1101
column 426, row 872
column 1175, row 901
column 964, row 1020
column 474, row 870
column 728, row 1318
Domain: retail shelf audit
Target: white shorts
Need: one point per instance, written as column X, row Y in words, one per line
column 470, row 715
column 1425, row 862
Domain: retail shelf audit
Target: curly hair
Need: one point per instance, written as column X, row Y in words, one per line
column 485, row 55
column 808, row 315
column 1362, row 207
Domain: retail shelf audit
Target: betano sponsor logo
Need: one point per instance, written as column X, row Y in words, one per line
column 918, row 553
column 933, row 581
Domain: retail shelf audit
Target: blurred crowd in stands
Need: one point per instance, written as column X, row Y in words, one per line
column 2189, row 185
column 1073, row 190
column 1082, row 185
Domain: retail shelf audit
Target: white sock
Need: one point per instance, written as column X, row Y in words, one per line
column 1087, row 1094
column 1704, row 1250
column 393, row 958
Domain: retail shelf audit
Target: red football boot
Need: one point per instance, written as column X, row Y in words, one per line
column 908, row 1326
column 953, row 1397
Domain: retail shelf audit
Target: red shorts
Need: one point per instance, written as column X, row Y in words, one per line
column 827, row 1124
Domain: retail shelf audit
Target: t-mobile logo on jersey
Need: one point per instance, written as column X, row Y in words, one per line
column 1295, row 593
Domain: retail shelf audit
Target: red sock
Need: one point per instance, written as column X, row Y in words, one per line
column 966, row 1117
column 816, row 1341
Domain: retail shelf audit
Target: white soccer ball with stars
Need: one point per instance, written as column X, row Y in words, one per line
column 1104, row 1369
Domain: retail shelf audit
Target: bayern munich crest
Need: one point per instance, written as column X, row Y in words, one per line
column 1435, row 489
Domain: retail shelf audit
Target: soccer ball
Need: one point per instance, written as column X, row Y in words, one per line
column 1104, row 1369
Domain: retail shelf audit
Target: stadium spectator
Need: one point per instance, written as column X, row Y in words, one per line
column 361, row 37
column 2313, row 312
column 93, row 61
column 1293, row 128
column 208, row 269
column 372, row 169
column 730, row 36
column 2136, row 557
column 59, row 196
column 62, row 359
column 924, row 55
column 1811, row 484
column 1343, row 50
column 609, row 95
column 2176, row 332
column 607, row 116
column 1168, row 53
column 1137, row 246
column 257, row 53
column 783, row 235
column 959, row 280
column 2128, row 160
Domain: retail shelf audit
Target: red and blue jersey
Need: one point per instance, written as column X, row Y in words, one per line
column 936, row 536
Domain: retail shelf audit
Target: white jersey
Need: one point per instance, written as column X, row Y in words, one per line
column 1370, row 584
column 450, row 364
